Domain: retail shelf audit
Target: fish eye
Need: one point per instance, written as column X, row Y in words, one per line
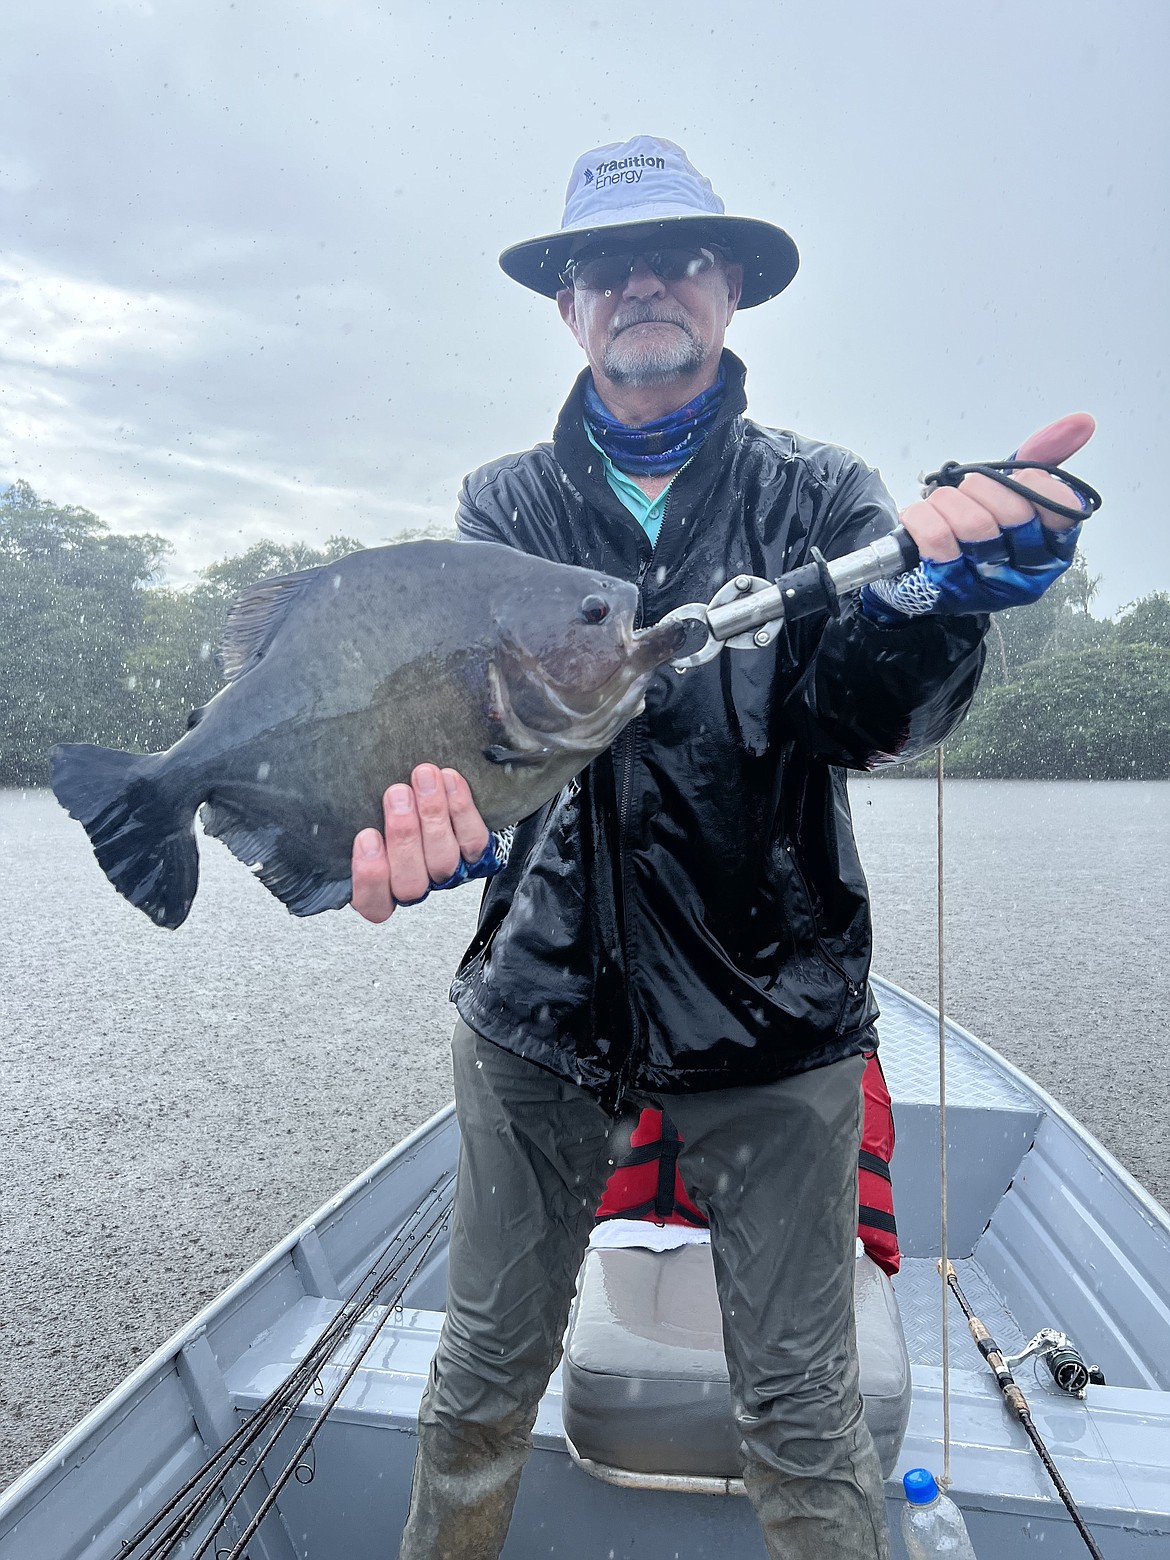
column 594, row 609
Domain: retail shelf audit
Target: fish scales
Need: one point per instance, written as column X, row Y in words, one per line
column 514, row 670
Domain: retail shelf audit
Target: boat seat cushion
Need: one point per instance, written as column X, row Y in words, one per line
column 645, row 1385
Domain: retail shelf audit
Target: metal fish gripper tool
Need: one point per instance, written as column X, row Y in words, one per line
column 748, row 612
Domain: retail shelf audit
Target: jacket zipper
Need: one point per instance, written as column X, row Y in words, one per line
column 851, row 987
column 629, row 748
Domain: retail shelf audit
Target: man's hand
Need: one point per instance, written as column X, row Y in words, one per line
column 979, row 509
column 431, row 825
column 984, row 548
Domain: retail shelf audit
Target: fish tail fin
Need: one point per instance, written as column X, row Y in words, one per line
column 143, row 838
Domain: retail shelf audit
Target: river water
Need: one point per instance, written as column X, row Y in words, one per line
column 175, row 1102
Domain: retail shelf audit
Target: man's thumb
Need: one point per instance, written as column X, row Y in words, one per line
column 1059, row 440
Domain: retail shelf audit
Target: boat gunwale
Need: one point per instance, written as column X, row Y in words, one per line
column 1132, row 1188
column 34, row 1481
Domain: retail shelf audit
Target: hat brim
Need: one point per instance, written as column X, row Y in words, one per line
column 769, row 257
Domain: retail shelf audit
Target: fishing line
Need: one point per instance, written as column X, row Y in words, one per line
column 942, row 1126
column 1013, row 1397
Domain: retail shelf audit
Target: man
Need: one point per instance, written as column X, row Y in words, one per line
column 687, row 923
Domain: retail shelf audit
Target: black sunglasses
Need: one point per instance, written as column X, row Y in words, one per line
column 608, row 271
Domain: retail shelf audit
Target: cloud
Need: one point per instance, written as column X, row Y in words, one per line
column 52, row 320
column 256, row 289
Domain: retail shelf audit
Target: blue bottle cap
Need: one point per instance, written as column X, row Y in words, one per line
column 920, row 1486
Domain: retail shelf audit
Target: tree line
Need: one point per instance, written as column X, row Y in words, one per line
column 96, row 647
column 1069, row 696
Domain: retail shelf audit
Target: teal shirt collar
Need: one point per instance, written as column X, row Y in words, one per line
column 648, row 512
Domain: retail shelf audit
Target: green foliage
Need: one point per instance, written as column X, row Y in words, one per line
column 73, row 605
column 1069, row 696
column 223, row 581
column 1059, row 622
column 93, row 648
column 1147, row 622
column 1097, row 714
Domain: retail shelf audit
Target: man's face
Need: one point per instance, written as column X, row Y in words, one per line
column 649, row 331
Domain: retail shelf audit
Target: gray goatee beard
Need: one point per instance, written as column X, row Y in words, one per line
column 651, row 363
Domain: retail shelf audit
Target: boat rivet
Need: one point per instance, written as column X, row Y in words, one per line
column 790, row 593
column 742, row 582
column 763, row 637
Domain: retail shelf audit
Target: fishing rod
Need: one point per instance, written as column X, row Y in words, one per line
column 296, row 1461
column 1018, row 1404
column 291, row 1389
column 748, row 612
column 401, row 1270
column 281, row 1404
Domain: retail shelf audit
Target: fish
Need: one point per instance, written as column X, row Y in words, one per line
column 512, row 669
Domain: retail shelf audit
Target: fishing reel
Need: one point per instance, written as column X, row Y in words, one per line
column 1063, row 1359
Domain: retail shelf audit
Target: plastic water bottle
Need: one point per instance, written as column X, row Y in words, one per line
column 932, row 1525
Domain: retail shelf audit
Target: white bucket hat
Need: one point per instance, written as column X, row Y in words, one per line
column 651, row 188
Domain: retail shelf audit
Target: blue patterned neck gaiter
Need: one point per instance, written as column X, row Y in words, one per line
column 659, row 447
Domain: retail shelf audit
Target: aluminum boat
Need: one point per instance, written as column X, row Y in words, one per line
column 1046, row 1231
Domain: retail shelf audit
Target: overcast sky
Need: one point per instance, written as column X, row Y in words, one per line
column 248, row 285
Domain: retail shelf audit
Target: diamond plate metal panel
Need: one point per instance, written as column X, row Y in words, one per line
column 909, row 1053
column 919, row 1291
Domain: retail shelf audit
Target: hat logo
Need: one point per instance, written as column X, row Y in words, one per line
column 589, row 176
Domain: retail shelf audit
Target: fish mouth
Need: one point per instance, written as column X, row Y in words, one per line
column 659, row 643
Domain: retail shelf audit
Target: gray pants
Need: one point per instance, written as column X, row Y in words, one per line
column 775, row 1170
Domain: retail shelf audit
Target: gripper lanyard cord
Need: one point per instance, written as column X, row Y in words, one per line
column 942, row 1135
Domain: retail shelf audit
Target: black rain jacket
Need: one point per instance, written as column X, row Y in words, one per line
column 690, row 912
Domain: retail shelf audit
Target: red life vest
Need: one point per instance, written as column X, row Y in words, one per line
column 646, row 1184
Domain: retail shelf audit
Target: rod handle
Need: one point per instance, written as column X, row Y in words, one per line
column 891, row 555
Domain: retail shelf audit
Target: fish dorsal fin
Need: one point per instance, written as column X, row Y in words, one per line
column 255, row 616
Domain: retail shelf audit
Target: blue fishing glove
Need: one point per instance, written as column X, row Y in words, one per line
column 1009, row 570
column 1012, row 569
column 494, row 859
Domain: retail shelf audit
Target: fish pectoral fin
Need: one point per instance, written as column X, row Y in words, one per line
column 530, row 758
column 278, row 859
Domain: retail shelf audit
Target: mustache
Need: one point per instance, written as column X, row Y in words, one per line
column 648, row 314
